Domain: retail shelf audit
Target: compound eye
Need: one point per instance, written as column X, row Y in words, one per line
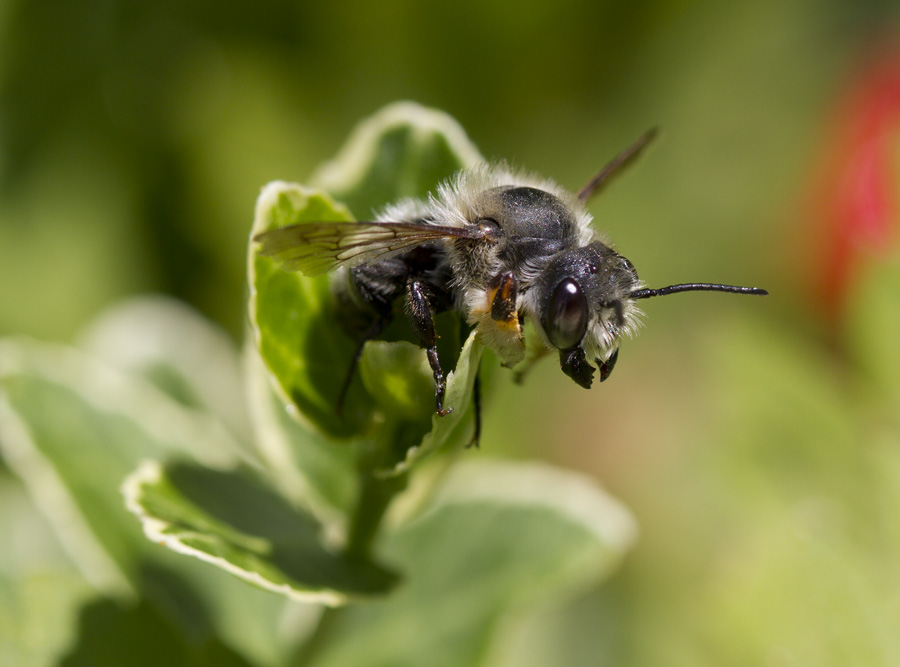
column 567, row 315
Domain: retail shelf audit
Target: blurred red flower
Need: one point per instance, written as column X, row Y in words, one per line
column 856, row 202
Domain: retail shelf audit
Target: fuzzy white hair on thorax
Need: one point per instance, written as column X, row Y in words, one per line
column 458, row 201
column 404, row 210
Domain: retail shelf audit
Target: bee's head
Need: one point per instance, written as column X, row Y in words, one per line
column 583, row 303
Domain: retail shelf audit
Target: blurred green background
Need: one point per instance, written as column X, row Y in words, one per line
column 754, row 439
column 135, row 136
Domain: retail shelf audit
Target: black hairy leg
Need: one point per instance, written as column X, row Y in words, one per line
column 371, row 334
column 421, row 318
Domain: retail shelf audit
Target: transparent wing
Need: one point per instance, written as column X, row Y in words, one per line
column 314, row 248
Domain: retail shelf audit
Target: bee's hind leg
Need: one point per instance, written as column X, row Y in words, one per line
column 421, row 317
column 371, row 334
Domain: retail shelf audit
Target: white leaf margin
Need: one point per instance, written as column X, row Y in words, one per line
column 357, row 154
column 460, row 382
column 575, row 496
column 51, row 495
column 150, row 473
column 107, row 390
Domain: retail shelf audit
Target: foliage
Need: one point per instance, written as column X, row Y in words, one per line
column 144, row 430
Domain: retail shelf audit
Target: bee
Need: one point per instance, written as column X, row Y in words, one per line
column 498, row 246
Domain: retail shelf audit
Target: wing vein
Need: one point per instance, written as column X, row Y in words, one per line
column 314, row 248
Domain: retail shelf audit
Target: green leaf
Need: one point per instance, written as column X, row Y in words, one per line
column 142, row 637
column 399, row 379
column 51, row 615
column 317, row 474
column 297, row 333
column 38, row 613
column 40, row 591
column 453, row 429
column 73, row 428
column 177, row 349
column 403, row 150
column 230, row 519
column 103, row 423
column 498, row 539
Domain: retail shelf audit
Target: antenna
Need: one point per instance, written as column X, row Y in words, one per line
column 622, row 160
column 695, row 287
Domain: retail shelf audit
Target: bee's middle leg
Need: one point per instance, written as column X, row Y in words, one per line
column 421, row 317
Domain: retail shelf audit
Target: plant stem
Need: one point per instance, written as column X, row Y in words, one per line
column 374, row 498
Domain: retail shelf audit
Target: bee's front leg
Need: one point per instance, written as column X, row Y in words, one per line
column 421, row 317
column 504, row 305
column 494, row 311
